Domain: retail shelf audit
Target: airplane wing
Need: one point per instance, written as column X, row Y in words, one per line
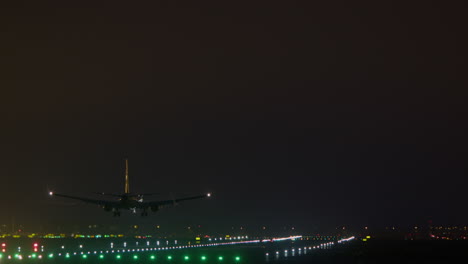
column 171, row 202
column 86, row 200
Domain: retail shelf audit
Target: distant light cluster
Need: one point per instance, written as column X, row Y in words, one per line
column 304, row 250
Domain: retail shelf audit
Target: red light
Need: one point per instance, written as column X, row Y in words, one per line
column 35, row 245
column 3, row 244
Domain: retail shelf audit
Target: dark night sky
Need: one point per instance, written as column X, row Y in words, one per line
column 291, row 114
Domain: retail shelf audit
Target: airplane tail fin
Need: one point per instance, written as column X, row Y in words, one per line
column 127, row 185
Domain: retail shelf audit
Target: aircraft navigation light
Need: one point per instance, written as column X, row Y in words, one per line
column 51, row 193
column 208, row 194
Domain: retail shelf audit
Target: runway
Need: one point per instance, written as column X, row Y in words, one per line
column 233, row 250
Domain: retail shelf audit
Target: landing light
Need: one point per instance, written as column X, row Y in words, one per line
column 51, row 193
column 208, row 194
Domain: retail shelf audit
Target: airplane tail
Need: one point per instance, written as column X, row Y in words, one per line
column 127, row 185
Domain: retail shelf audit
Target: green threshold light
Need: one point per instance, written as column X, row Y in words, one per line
column 85, row 256
column 135, row 256
column 169, row 257
column 101, row 256
column 237, row 258
column 220, row 258
column 203, row 258
column 152, row 257
column 186, row 257
column 118, row 257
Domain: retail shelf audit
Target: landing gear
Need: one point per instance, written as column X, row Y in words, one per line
column 116, row 213
column 144, row 213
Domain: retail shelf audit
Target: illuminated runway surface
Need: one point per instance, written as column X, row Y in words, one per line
column 245, row 250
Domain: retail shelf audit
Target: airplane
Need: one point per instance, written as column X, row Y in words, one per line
column 130, row 201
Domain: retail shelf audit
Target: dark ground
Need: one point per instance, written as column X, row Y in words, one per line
column 390, row 251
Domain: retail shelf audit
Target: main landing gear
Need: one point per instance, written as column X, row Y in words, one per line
column 144, row 213
column 116, row 213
